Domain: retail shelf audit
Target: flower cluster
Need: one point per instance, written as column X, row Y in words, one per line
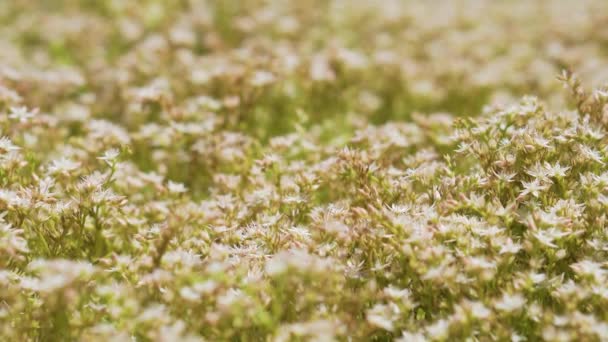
column 230, row 170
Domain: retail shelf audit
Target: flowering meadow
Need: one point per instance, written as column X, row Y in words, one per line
column 319, row 170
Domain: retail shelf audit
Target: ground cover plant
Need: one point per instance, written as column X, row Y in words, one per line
column 341, row 170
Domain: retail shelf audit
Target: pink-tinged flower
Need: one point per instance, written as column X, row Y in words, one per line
column 22, row 114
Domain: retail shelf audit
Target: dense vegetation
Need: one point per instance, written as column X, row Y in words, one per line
column 315, row 170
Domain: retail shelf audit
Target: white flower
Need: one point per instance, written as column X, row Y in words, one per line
column 411, row 337
column 534, row 187
column 262, row 78
column 510, row 303
column 591, row 154
column 479, row 263
column 11, row 240
column 189, row 294
column 509, row 247
column 176, row 188
column 438, row 330
column 92, row 181
column 55, row 274
column 600, row 94
column 396, row 293
column 320, row 70
column 589, row 268
column 480, row 311
column 537, row 278
column 275, row 266
column 63, row 165
column 9, row 197
column 6, row 145
column 300, row 232
column 150, row 93
column 435, row 272
column 22, row 114
column 380, row 316
column 601, row 330
column 556, row 170
column 517, row 338
column 153, row 313
column 109, row 156
column 547, row 236
column 231, row 296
